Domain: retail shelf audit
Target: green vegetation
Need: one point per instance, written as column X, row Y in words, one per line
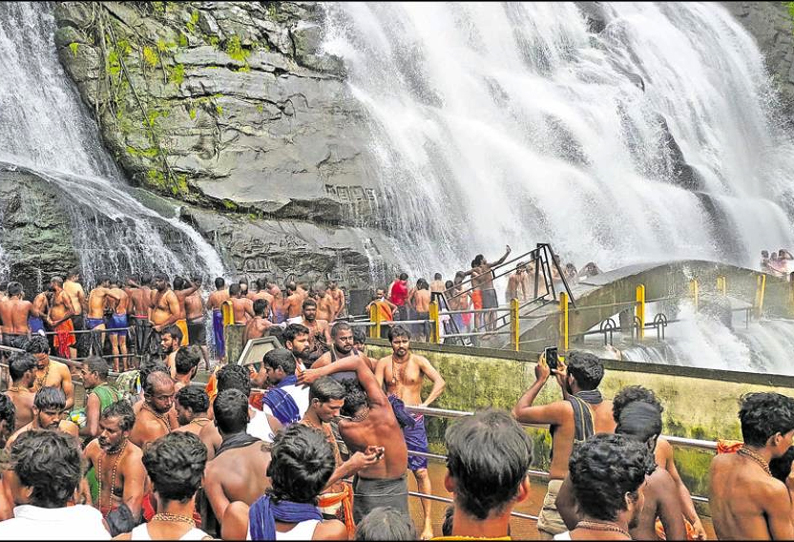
column 73, row 46
column 150, row 56
column 235, row 49
column 193, row 22
column 177, row 74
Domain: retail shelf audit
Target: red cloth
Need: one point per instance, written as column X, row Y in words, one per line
column 64, row 338
column 399, row 293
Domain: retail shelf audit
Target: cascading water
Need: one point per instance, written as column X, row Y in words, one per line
column 45, row 128
column 513, row 122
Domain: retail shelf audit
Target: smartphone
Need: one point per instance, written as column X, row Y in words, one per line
column 551, row 357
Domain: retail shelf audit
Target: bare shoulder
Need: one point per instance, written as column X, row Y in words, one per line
column 134, row 456
column 384, row 360
column 125, row 536
column 92, row 449
column 330, row 530
column 62, row 369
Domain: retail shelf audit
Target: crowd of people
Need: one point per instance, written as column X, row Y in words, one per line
column 779, row 264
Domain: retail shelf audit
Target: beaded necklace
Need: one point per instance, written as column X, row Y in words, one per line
column 162, row 417
column 41, row 380
column 205, row 420
column 599, row 526
column 749, row 454
column 173, row 518
column 100, row 475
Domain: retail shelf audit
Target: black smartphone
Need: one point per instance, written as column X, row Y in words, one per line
column 551, row 357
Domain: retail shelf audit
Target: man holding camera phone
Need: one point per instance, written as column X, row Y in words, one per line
column 581, row 413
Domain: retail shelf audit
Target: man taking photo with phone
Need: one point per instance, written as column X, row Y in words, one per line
column 580, row 414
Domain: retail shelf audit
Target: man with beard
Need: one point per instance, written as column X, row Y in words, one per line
column 165, row 311
column 154, row 420
column 100, row 394
column 319, row 336
column 402, row 375
column 170, row 339
column 214, row 303
column 22, row 369
column 192, row 405
column 238, row 472
column 368, row 419
column 296, row 340
column 341, row 347
column 14, row 313
column 582, row 413
column 117, row 469
column 49, row 405
column 608, row 475
column 60, row 319
column 50, row 373
column 285, row 400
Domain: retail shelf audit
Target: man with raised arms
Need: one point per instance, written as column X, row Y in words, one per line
column 154, row 419
column 214, row 303
column 183, row 289
column 367, row 419
column 14, row 314
column 402, row 375
column 49, row 372
column 482, row 280
column 746, row 501
column 118, row 470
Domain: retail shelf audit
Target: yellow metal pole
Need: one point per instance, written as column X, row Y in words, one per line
column 693, row 291
column 515, row 324
column 374, row 317
column 761, row 292
column 563, row 322
column 722, row 286
column 435, row 326
column 640, row 311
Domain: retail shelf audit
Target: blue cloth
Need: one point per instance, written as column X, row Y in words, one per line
column 403, row 417
column 282, row 405
column 217, row 331
column 94, row 322
column 35, row 324
column 290, row 380
column 416, row 441
column 119, row 323
column 264, row 513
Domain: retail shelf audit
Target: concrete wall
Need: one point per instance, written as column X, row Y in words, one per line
column 699, row 403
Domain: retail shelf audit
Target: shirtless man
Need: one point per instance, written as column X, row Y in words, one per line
column 119, row 325
column 746, row 501
column 482, row 281
column 437, row 286
column 580, row 414
column 14, row 313
column 195, row 315
column 242, row 308
column 326, row 308
column 238, row 472
column 118, row 468
column 280, row 307
column 367, row 419
column 421, row 304
column 402, row 374
column 319, row 334
column 140, row 294
column 50, row 373
column 294, row 303
column 192, row 404
column 262, row 293
column 95, row 319
column 258, row 326
column 79, row 301
column 170, row 339
column 154, row 419
column 339, row 299
column 516, row 284
column 42, row 304
column 186, row 362
column 22, row 368
column 166, row 309
column 214, row 303
column 49, row 405
column 302, row 290
column 273, row 289
column 183, row 288
column 60, row 319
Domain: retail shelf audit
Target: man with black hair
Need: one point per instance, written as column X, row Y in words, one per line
column 488, row 456
column 359, row 343
column 184, row 288
column 175, row 465
column 214, row 303
column 14, row 314
column 319, row 334
column 386, row 524
column 341, row 345
column 192, row 405
column 482, row 278
column 170, row 339
column 301, row 465
column 608, row 475
column 402, row 375
column 641, row 422
column 242, row 307
column 50, row 373
column 367, row 419
column 238, row 472
column 100, row 394
column 195, row 315
column 155, row 416
column 296, row 340
column 118, row 324
column 115, row 472
column 258, row 326
column 49, row 405
column 286, row 400
column 292, row 304
column 22, row 369
column 186, row 362
column 582, row 413
column 746, row 501
column 8, row 415
column 79, row 304
column 60, row 319
column 165, row 311
column 95, row 318
column 140, row 293
column 663, row 453
column 45, row 473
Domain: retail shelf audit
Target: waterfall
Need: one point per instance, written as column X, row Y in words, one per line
column 46, row 129
column 654, row 138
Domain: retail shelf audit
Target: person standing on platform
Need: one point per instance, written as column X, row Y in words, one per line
column 214, row 303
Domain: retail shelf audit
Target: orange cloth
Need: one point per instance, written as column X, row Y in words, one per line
column 182, row 325
column 690, row 531
column 346, row 498
column 64, row 338
column 384, row 311
column 476, row 298
column 728, row 446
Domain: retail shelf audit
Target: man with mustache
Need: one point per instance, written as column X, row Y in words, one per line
column 117, row 469
column 48, row 407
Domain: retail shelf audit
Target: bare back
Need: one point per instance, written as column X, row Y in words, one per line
column 123, row 303
column 15, row 313
column 422, row 300
column 97, row 300
column 243, row 309
column 140, row 299
column 294, row 305
column 239, row 474
column 217, row 298
column 194, row 306
column 326, row 308
column 23, row 404
column 76, row 293
column 379, row 428
column 562, row 443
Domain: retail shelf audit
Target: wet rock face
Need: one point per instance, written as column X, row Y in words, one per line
column 225, row 104
column 35, row 231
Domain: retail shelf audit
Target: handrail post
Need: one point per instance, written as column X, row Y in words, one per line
column 722, row 286
column 640, row 311
column 760, row 291
column 563, row 342
column 435, row 326
column 693, row 291
column 374, row 317
column 515, row 324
